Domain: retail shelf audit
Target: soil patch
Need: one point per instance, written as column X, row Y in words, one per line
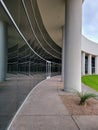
column 71, row 102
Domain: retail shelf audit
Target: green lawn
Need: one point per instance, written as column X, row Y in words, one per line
column 91, row 81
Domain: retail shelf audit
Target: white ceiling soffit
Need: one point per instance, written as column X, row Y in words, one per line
column 52, row 13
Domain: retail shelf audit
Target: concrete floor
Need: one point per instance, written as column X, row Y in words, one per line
column 12, row 93
column 44, row 110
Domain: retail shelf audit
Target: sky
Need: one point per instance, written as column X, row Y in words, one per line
column 90, row 19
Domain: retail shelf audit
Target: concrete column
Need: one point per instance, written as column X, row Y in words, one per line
column 63, row 44
column 83, row 63
column 96, row 65
column 3, row 50
column 89, row 64
column 72, row 52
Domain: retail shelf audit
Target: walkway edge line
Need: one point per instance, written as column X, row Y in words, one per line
column 23, row 104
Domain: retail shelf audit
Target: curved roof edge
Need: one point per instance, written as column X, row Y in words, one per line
column 89, row 46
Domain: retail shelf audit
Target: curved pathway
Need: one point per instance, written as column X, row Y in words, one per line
column 44, row 110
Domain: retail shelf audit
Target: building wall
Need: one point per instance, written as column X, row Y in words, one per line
column 89, row 46
column 89, row 57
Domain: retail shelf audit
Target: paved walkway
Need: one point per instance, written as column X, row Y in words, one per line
column 44, row 110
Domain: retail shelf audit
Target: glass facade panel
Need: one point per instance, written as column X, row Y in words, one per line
column 86, row 64
column 93, row 65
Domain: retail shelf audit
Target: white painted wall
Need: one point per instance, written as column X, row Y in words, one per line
column 89, row 47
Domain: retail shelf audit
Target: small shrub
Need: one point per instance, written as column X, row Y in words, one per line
column 84, row 96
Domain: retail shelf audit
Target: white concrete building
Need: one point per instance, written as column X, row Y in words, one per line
column 42, row 29
column 40, row 39
column 89, row 54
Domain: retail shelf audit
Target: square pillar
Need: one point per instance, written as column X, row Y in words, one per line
column 96, row 65
column 3, row 50
column 83, row 63
column 89, row 64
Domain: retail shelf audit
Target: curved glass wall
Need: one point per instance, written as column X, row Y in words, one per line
column 28, row 63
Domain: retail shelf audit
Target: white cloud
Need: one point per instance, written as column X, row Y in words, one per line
column 90, row 19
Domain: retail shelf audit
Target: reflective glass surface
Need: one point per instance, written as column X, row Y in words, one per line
column 29, row 62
